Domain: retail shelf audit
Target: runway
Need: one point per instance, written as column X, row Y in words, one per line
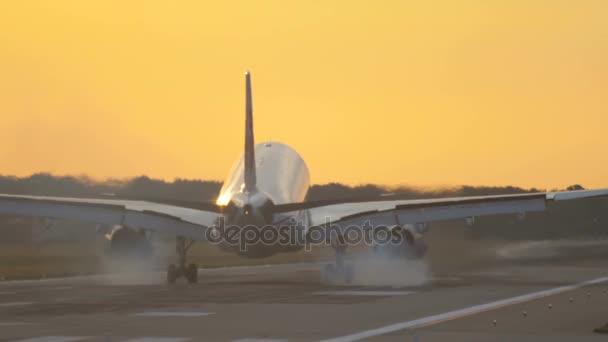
column 561, row 301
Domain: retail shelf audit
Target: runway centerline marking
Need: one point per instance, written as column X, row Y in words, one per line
column 363, row 293
column 60, row 288
column 8, row 324
column 54, row 339
column 173, row 314
column 259, row 340
column 15, row 304
column 459, row 313
column 158, row 339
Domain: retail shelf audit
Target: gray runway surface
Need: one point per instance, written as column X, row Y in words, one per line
column 288, row 303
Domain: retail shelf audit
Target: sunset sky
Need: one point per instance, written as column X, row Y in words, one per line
column 391, row 92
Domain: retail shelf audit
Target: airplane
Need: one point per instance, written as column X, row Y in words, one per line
column 266, row 188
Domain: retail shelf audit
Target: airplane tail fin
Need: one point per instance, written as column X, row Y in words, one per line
column 250, row 178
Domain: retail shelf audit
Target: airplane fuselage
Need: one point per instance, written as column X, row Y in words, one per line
column 282, row 177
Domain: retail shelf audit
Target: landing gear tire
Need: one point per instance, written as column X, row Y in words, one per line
column 327, row 274
column 339, row 272
column 192, row 273
column 189, row 272
column 172, row 274
column 348, row 273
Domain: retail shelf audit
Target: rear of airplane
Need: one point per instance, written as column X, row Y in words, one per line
column 268, row 172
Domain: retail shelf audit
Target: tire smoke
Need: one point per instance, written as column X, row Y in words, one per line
column 371, row 269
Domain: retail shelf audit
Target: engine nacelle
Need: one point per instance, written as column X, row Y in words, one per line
column 125, row 241
column 407, row 241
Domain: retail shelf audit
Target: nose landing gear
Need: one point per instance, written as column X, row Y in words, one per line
column 190, row 271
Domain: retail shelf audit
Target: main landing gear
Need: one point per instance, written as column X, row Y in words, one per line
column 190, row 272
column 339, row 272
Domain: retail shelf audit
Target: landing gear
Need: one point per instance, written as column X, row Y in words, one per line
column 339, row 272
column 190, row 272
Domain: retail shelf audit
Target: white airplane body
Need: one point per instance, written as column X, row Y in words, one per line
column 282, row 176
column 267, row 186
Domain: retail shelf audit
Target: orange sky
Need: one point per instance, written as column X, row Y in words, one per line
column 407, row 92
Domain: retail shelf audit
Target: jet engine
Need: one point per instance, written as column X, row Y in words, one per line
column 125, row 241
column 406, row 241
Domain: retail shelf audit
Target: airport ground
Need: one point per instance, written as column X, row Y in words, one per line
column 534, row 292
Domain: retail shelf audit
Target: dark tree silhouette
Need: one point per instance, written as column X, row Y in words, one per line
column 196, row 190
column 575, row 187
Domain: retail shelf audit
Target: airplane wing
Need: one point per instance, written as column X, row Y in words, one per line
column 161, row 218
column 399, row 212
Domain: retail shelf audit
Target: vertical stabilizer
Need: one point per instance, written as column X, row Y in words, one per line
column 249, row 141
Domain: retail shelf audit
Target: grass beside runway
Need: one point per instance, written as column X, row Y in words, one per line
column 61, row 259
column 52, row 260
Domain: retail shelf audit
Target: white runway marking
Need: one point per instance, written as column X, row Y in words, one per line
column 53, row 339
column 8, row 324
column 60, row 288
column 15, row 304
column 259, row 340
column 363, row 293
column 158, row 339
column 450, row 315
column 446, row 278
column 173, row 314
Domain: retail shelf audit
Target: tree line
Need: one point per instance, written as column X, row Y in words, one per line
column 197, row 190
